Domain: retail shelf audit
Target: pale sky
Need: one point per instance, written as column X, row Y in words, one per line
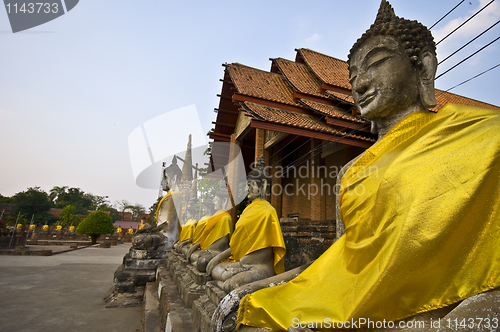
column 73, row 90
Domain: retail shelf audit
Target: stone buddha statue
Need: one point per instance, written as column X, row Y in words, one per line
column 183, row 247
column 166, row 231
column 216, row 234
column 257, row 247
column 422, row 234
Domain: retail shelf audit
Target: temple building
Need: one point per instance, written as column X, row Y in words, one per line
column 301, row 116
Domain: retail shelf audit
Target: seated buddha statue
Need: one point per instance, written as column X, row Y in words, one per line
column 257, row 248
column 188, row 227
column 216, row 234
column 182, row 247
column 420, row 207
column 166, row 231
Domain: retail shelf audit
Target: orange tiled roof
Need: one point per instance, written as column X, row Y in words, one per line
column 329, row 69
column 341, row 96
column 261, row 84
column 300, row 76
column 444, row 97
column 293, row 119
column 334, row 112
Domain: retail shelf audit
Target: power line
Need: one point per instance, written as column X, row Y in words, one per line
column 470, row 79
column 446, row 15
column 467, row 58
column 461, row 25
column 449, row 56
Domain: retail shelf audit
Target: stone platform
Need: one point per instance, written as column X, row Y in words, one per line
column 130, row 279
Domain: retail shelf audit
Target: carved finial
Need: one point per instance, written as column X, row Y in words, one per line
column 385, row 13
column 174, row 160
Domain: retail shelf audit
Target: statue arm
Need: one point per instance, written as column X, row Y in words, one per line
column 193, row 248
column 217, row 259
column 228, row 308
column 219, row 245
column 264, row 255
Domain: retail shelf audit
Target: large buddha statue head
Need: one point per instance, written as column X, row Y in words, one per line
column 392, row 67
column 257, row 181
column 171, row 176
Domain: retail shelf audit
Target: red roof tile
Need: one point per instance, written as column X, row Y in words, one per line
column 329, row 69
column 332, row 111
column 444, row 97
column 293, row 119
column 300, row 76
column 261, row 84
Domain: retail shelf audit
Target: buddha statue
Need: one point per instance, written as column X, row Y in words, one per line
column 257, row 248
column 184, row 246
column 421, row 231
column 166, row 231
column 216, row 234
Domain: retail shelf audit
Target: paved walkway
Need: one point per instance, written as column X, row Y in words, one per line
column 63, row 293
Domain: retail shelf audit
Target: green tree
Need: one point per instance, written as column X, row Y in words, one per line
column 57, row 192
column 138, row 211
column 96, row 224
column 68, row 216
column 33, row 201
column 75, row 197
column 4, row 199
column 122, row 206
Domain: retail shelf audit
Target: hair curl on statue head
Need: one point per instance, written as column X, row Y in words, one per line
column 413, row 36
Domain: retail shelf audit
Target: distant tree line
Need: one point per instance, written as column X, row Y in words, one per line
column 74, row 202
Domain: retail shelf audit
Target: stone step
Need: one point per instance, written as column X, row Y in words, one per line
column 174, row 316
column 202, row 312
column 214, row 292
column 151, row 321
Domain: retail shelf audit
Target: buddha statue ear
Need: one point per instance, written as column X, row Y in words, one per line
column 427, row 68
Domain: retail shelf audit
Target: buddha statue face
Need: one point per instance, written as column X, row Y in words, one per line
column 256, row 189
column 383, row 78
column 392, row 67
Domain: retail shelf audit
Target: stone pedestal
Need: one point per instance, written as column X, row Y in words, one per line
column 138, row 268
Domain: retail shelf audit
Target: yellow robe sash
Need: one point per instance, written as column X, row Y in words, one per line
column 422, row 214
column 218, row 226
column 187, row 231
column 259, row 228
column 200, row 227
column 158, row 210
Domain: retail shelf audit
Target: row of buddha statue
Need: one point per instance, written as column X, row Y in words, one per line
column 255, row 249
column 422, row 236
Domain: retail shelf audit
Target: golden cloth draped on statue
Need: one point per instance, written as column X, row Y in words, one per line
column 259, row 228
column 422, row 214
column 187, row 231
column 200, row 227
column 218, row 226
column 159, row 205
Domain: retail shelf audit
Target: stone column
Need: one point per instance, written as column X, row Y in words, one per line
column 260, row 138
column 317, row 210
column 276, row 189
